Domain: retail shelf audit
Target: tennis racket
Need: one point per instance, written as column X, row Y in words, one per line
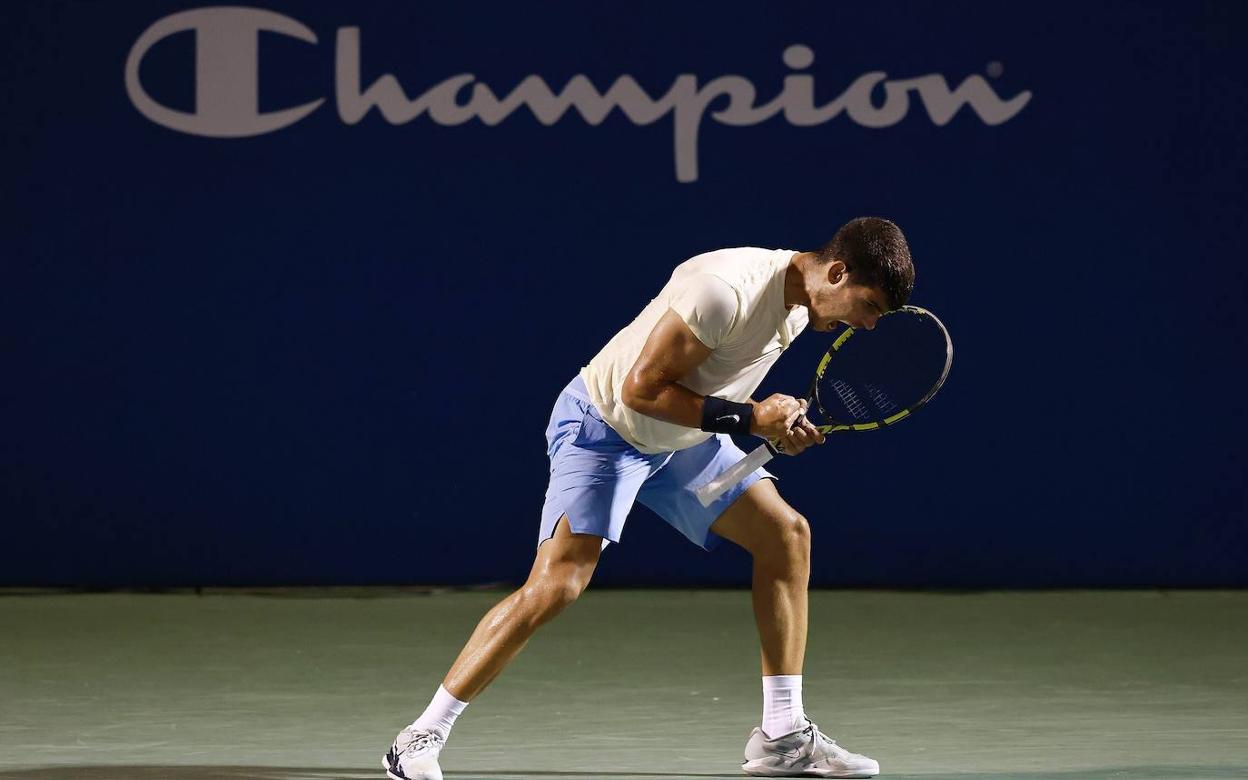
column 865, row 382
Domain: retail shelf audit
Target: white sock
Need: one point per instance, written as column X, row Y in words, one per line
column 441, row 713
column 782, row 705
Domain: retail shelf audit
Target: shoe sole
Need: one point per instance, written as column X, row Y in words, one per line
column 759, row 769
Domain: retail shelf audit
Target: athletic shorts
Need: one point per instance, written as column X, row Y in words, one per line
column 595, row 476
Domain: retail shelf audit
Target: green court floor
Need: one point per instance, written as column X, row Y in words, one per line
column 626, row 684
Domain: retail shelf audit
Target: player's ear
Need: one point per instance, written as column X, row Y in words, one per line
column 837, row 272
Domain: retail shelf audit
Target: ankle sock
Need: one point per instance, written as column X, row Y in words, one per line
column 782, row 705
column 441, row 713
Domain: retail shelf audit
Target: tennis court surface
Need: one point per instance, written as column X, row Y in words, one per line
column 626, row 684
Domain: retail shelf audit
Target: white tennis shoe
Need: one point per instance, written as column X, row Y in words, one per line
column 807, row 752
column 414, row 756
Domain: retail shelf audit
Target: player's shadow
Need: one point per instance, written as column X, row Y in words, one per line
column 1236, row 772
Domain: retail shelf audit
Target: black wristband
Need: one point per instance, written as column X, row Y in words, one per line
column 719, row 415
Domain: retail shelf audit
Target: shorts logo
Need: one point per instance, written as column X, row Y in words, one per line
column 227, row 86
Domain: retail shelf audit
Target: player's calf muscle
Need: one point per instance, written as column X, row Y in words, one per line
column 507, row 627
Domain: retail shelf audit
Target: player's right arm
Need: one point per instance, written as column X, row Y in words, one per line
column 671, row 352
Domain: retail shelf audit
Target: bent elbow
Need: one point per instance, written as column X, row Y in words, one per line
column 628, row 394
column 632, row 394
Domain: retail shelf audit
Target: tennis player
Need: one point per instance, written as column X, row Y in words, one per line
column 649, row 419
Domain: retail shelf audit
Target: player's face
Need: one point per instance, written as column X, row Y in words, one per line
column 842, row 301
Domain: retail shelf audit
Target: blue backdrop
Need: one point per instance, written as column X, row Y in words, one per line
column 271, row 317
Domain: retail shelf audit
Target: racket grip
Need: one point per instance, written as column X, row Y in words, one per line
column 711, row 491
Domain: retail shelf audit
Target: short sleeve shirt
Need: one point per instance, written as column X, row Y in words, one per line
column 733, row 301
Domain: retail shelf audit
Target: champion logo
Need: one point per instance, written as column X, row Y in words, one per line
column 227, row 78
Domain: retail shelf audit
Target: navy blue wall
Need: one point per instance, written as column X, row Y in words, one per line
column 326, row 353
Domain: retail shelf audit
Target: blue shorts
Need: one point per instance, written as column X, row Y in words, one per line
column 595, row 476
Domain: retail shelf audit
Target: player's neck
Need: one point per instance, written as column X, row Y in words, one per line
column 796, row 291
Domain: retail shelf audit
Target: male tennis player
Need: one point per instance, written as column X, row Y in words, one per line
column 649, row 420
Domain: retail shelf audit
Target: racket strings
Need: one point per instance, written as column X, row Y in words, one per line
column 860, row 401
column 883, row 403
column 850, row 400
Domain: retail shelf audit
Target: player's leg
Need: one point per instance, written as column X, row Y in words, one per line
column 561, row 570
column 753, row 515
column 563, row 567
column 778, row 538
column 594, row 477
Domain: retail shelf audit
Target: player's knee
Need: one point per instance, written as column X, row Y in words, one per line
column 797, row 538
column 788, row 544
column 549, row 595
column 566, row 591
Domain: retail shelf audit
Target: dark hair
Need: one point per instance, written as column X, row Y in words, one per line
column 876, row 254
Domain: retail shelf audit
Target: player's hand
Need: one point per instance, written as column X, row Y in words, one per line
column 803, row 434
column 774, row 416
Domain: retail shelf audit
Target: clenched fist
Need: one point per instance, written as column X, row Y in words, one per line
column 774, row 416
column 781, row 418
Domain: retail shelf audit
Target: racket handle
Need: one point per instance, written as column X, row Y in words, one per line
column 711, row 491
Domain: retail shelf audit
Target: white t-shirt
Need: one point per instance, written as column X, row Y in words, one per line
column 733, row 301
